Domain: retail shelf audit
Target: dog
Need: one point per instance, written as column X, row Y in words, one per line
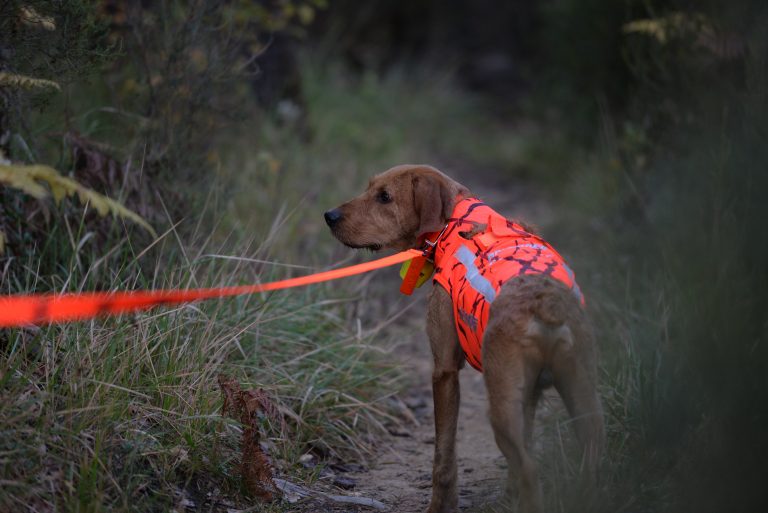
column 503, row 300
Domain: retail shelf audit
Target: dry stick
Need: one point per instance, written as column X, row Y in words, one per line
column 292, row 489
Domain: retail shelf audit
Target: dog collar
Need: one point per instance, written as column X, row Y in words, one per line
column 417, row 271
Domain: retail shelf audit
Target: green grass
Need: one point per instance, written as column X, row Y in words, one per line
column 124, row 413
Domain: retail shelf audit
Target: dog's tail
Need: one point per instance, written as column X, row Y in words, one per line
column 549, row 338
column 541, row 332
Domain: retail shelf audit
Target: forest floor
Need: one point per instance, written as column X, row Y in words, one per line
column 400, row 473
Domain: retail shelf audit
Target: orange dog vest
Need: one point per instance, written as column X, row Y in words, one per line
column 473, row 270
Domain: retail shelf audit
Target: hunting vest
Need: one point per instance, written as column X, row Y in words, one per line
column 472, row 270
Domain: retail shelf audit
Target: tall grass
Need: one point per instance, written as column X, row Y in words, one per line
column 671, row 245
column 123, row 413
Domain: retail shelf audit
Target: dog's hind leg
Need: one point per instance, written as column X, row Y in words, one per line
column 510, row 377
column 530, row 415
column 575, row 378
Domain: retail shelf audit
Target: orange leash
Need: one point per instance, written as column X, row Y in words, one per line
column 25, row 310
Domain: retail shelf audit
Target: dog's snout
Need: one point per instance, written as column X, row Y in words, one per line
column 332, row 217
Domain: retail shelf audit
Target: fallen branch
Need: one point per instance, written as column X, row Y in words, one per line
column 293, row 493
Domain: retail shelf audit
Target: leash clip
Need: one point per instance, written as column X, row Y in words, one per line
column 430, row 246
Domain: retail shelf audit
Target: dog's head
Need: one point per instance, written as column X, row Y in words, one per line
column 399, row 206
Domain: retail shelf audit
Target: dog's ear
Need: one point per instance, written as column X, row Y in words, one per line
column 433, row 199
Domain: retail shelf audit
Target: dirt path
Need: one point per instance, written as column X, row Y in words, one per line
column 400, row 477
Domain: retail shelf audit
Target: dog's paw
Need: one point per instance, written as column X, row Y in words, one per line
column 442, row 506
column 441, row 510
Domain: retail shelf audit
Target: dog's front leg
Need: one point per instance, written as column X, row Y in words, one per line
column 445, row 392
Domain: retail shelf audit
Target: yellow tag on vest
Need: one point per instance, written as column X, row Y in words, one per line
column 426, row 272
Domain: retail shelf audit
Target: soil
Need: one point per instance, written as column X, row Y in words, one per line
column 400, row 474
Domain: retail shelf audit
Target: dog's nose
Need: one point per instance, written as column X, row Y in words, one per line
column 332, row 217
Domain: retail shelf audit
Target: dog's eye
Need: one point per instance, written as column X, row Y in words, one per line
column 383, row 197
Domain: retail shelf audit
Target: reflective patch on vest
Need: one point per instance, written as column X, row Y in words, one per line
column 469, row 319
column 575, row 288
column 494, row 255
column 473, row 276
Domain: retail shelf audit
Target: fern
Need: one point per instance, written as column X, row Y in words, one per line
column 28, row 178
column 25, row 82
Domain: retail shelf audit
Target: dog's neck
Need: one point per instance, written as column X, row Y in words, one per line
column 428, row 242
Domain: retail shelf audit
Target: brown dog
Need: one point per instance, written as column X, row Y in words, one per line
column 536, row 333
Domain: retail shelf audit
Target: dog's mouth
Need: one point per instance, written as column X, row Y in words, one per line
column 370, row 247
